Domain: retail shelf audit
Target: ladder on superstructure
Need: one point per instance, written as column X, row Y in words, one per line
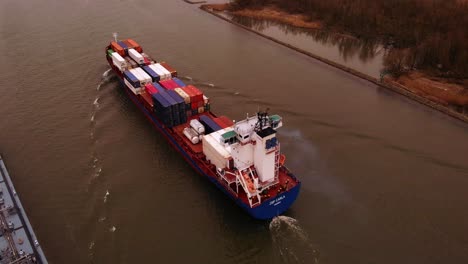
column 245, row 185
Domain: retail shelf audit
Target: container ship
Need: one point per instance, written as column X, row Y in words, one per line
column 241, row 158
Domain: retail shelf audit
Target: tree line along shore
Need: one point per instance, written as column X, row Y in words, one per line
column 426, row 41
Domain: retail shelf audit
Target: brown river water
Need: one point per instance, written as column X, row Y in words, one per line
column 385, row 179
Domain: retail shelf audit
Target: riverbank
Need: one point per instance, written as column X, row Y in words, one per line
column 437, row 93
column 440, row 90
column 269, row 13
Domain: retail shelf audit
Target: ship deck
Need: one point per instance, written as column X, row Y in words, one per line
column 179, row 130
column 285, row 180
column 18, row 243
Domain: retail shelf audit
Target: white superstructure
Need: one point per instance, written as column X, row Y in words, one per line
column 248, row 150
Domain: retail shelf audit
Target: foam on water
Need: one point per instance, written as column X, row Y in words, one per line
column 106, row 73
column 106, row 195
column 106, row 76
column 292, row 242
column 96, row 102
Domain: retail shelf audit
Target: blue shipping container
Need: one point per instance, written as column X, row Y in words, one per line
column 163, row 109
column 179, row 100
column 123, row 45
column 159, row 87
column 210, row 125
column 132, row 79
column 168, row 98
column 180, row 105
column 183, row 117
column 154, row 75
column 179, row 82
column 174, row 105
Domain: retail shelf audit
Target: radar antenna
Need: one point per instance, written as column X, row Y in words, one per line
column 262, row 120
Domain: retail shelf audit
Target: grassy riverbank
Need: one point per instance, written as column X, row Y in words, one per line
column 435, row 83
column 268, row 13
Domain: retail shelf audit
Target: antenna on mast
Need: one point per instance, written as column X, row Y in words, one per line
column 115, row 36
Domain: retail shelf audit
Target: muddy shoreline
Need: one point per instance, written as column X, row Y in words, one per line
column 388, row 83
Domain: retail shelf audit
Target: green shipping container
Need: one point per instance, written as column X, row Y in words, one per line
column 109, row 52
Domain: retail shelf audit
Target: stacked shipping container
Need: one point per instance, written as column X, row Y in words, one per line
column 156, row 84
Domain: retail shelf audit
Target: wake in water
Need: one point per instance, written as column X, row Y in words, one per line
column 96, row 102
column 292, row 242
column 106, row 73
column 197, row 82
column 209, row 84
column 106, row 76
column 106, row 195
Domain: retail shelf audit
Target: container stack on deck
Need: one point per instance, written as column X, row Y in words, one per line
column 157, row 86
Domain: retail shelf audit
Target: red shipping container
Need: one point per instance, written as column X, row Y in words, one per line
column 200, row 104
column 174, row 84
column 189, row 92
column 169, row 68
column 135, row 45
column 194, row 105
column 198, row 95
column 147, row 100
column 150, row 89
column 220, row 122
column 147, row 61
column 226, row 120
column 169, row 84
column 117, row 48
column 129, row 45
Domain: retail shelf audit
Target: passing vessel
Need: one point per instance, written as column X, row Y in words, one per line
column 18, row 242
column 242, row 158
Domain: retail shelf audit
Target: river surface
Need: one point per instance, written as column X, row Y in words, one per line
column 366, row 56
column 384, row 178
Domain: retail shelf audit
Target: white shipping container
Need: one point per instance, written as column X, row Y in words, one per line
column 215, row 152
column 214, row 159
column 133, row 89
column 183, row 94
column 118, row 61
column 162, row 75
column 116, row 57
column 136, row 56
column 167, row 74
column 141, row 75
column 122, row 69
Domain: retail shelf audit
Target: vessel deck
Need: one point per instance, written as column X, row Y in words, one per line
column 18, row 243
